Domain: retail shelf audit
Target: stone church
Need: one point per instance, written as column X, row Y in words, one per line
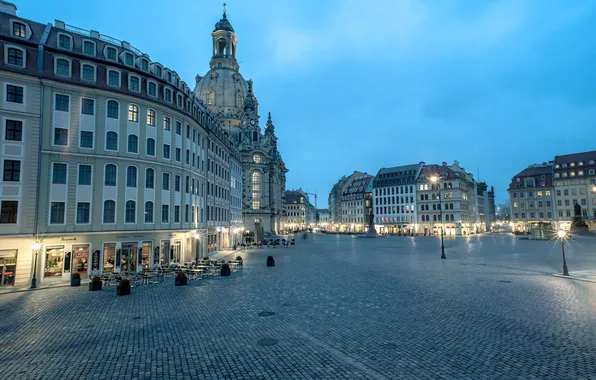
column 231, row 98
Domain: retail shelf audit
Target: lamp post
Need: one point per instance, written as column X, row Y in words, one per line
column 36, row 247
column 562, row 235
column 435, row 179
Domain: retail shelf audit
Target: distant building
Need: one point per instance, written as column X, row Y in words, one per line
column 532, row 199
column 352, row 205
column 335, row 201
column 485, row 200
column 322, row 218
column 298, row 212
column 394, row 199
column 574, row 181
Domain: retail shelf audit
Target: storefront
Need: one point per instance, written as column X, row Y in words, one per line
column 59, row 257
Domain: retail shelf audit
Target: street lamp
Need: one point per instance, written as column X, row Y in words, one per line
column 562, row 234
column 36, row 247
column 435, row 179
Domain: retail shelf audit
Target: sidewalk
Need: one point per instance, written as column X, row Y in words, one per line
column 583, row 275
column 27, row 288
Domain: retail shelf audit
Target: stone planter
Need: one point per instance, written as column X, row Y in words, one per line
column 225, row 270
column 270, row 261
column 75, row 281
column 181, row 280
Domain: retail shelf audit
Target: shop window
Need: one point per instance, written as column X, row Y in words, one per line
column 109, row 257
column 54, row 261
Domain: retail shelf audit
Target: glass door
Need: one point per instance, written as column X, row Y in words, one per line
column 80, row 257
column 54, row 262
column 128, row 257
column 8, row 267
column 165, row 252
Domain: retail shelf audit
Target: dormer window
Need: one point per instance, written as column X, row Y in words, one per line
column 111, row 54
column 62, row 67
column 88, row 48
column 151, row 89
column 591, row 162
column 168, row 95
column 573, row 174
column 169, row 77
column 144, row 65
column 134, row 84
column 64, row 41
column 580, row 173
column 564, row 174
column 15, row 57
column 128, row 59
column 581, row 163
column 19, row 29
column 88, row 72
column 572, row 164
column 557, row 175
column 564, row 165
column 557, row 166
column 158, row 71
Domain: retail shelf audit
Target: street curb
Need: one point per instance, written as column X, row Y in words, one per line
column 574, row 278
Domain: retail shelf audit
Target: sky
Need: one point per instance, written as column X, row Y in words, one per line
column 360, row 85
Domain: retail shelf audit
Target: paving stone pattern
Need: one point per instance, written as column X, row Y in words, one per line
column 344, row 308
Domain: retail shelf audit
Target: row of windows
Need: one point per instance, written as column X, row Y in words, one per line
column 531, row 204
column 394, row 200
column 573, row 173
column 447, row 218
column 545, row 193
column 572, row 164
column 394, row 209
column 448, row 206
column 394, row 190
column 83, row 213
column 60, row 176
column 549, row 215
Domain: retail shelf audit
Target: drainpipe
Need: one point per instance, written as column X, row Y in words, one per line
column 40, row 57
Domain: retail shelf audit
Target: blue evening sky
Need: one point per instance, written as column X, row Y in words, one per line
column 359, row 85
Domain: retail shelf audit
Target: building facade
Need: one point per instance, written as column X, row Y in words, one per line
column 297, row 210
column 110, row 162
column 574, row 181
column 532, row 198
column 231, row 98
column 450, row 203
column 394, row 199
column 334, row 202
column 352, row 204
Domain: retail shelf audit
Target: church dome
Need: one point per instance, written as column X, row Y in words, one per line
column 224, row 24
column 223, row 91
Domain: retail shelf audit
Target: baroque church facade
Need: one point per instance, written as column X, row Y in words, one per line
column 231, row 98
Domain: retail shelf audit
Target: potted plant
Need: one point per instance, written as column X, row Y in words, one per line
column 75, row 279
column 239, row 259
column 181, row 279
column 95, row 284
column 270, row 261
column 225, row 270
column 123, row 288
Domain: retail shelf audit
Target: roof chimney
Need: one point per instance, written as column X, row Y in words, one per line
column 6, row 7
column 444, row 163
column 456, row 162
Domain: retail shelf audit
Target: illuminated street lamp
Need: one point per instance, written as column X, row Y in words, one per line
column 435, row 179
column 562, row 234
column 36, row 246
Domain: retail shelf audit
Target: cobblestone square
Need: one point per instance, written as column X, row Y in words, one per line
column 333, row 307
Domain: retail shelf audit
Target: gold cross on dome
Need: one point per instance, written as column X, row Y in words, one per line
column 224, row 4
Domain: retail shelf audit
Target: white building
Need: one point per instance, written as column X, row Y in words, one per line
column 394, row 199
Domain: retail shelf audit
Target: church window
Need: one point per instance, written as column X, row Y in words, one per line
column 256, row 191
column 221, row 46
column 257, row 159
column 210, row 98
column 239, row 101
column 255, row 136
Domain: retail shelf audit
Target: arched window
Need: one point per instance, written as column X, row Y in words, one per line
column 111, row 141
column 148, row 212
column 133, row 113
column 434, row 206
column 451, row 206
column 150, row 147
column 452, row 217
column 110, row 175
column 221, row 46
column 239, row 100
column 150, row 178
column 131, row 208
column 256, row 191
column 133, row 144
column 113, row 109
column 109, row 211
column 255, row 136
column 210, row 98
column 131, row 176
column 426, row 206
column 151, row 117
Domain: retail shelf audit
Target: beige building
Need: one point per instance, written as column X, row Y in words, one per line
column 110, row 162
column 532, row 198
column 574, row 181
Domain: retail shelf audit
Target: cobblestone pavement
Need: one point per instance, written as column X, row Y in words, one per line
column 344, row 308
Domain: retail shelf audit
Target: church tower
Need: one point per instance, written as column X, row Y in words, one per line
column 223, row 89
